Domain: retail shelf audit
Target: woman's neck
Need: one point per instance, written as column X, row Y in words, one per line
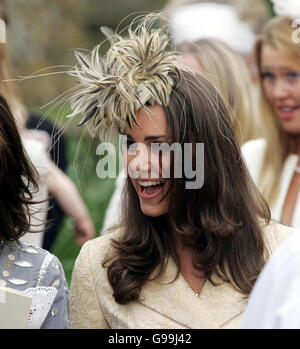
column 194, row 277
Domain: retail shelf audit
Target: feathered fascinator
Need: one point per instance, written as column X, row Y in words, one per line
column 134, row 73
column 290, row 8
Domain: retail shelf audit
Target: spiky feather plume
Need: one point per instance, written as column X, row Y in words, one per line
column 135, row 72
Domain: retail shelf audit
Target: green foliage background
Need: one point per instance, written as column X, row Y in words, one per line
column 95, row 192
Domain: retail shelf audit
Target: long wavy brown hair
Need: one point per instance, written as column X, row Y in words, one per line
column 221, row 222
column 18, row 179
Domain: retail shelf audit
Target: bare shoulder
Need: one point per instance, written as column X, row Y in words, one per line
column 275, row 234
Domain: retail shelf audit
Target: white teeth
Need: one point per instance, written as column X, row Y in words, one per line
column 288, row 109
column 148, row 183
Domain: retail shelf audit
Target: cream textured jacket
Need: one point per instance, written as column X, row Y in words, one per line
column 162, row 304
column 253, row 152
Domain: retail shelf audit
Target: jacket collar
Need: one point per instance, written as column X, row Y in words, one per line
column 216, row 305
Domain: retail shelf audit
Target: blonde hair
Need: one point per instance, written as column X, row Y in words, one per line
column 229, row 74
column 278, row 33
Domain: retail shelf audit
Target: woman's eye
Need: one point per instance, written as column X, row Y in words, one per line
column 127, row 144
column 157, row 147
column 292, row 75
column 267, row 75
column 131, row 146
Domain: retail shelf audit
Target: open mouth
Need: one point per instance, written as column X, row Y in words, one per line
column 287, row 112
column 150, row 189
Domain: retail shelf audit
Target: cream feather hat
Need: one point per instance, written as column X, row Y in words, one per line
column 135, row 72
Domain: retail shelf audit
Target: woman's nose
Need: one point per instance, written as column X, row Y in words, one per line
column 139, row 164
column 281, row 90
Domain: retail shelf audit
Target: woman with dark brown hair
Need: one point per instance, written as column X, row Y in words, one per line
column 26, row 268
column 195, row 231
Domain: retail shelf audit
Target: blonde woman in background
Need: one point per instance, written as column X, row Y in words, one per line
column 274, row 163
column 228, row 72
column 274, row 160
column 52, row 180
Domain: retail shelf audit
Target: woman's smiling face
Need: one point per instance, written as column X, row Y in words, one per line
column 145, row 163
column 281, row 85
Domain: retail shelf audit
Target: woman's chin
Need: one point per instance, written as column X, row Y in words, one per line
column 153, row 211
column 292, row 129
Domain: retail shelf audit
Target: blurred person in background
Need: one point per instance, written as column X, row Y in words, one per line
column 24, row 267
column 58, row 155
column 273, row 161
column 51, row 178
column 55, row 141
column 234, row 22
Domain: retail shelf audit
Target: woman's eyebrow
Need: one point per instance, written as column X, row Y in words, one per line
column 147, row 138
column 154, row 138
column 125, row 134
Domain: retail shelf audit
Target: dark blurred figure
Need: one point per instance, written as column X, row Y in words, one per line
column 58, row 155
